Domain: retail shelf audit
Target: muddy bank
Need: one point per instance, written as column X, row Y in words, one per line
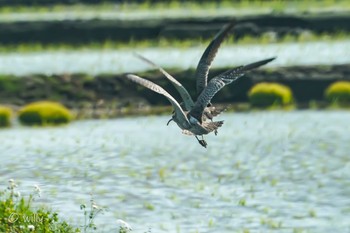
column 95, row 30
column 115, row 92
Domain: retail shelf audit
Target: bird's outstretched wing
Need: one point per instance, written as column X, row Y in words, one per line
column 212, row 126
column 211, row 112
column 186, row 98
column 218, row 82
column 208, row 57
column 156, row 88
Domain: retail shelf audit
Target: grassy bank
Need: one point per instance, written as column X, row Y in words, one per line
column 267, row 38
column 240, row 7
column 106, row 96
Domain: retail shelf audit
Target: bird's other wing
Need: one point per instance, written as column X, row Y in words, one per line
column 211, row 126
column 156, row 88
column 186, row 98
column 208, row 57
column 218, row 82
column 206, row 127
column 211, row 112
column 215, row 111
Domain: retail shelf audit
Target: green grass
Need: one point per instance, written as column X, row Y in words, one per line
column 266, row 94
column 148, row 206
column 17, row 214
column 5, row 116
column 171, row 43
column 257, row 5
column 43, row 113
column 338, row 93
column 20, row 214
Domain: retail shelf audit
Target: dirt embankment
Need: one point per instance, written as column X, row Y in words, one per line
column 80, row 90
column 95, row 30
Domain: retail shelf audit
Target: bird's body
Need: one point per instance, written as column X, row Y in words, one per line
column 185, row 121
column 196, row 117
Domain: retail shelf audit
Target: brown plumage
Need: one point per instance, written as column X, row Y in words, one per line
column 208, row 56
column 196, row 118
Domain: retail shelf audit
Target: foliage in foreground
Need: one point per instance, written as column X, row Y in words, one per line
column 18, row 215
column 44, row 113
column 338, row 93
column 270, row 94
column 5, row 116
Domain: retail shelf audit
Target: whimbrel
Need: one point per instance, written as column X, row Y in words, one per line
column 193, row 122
column 192, row 117
column 201, row 75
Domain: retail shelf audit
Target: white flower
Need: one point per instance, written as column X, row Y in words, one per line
column 124, row 225
column 31, row 228
column 12, row 184
column 17, row 194
column 37, row 190
column 94, row 205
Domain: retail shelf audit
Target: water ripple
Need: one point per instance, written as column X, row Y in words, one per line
column 265, row 171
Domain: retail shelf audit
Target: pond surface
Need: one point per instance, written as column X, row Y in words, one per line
column 157, row 13
column 135, row 14
column 264, row 172
column 123, row 60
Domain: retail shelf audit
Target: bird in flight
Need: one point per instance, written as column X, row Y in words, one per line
column 196, row 117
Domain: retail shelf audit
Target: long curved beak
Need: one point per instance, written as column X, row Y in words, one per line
column 169, row 121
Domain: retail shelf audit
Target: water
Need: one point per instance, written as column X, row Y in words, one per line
column 134, row 14
column 265, row 172
column 115, row 12
column 123, row 60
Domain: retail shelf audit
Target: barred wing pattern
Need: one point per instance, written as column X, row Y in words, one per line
column 208, row 57
column 211, row 126
column 215, row 111
column 156, row 88
column 211, row 112
column 204, row 128
column 217, row 83
column 188, row 102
